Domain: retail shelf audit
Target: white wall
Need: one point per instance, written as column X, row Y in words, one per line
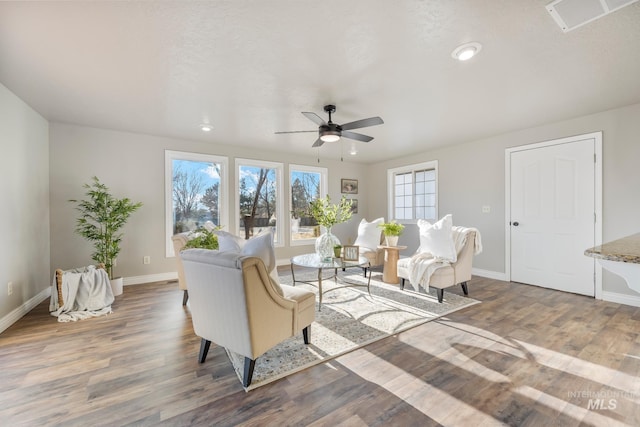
column 132, row 165
column 471, row 175
column 24, row 191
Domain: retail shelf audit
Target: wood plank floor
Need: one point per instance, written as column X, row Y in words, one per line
column 525, row 356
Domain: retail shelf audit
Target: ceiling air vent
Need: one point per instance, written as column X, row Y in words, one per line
column 570, row 14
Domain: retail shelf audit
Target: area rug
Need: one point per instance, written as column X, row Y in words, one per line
column 350, row 318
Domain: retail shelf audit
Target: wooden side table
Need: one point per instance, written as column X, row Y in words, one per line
column 390, row 270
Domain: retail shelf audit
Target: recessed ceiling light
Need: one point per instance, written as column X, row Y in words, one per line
column 206, row 127
column 466, row 51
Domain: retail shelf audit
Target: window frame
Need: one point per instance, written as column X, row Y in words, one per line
column 279, row 167
column 413, row 168
column 169, row 157
column 324, row 189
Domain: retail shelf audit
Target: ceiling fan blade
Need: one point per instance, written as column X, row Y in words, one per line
column 371, row 121
column 318, row 143
column 356, row 136
column 295, row 131
column 314, row 118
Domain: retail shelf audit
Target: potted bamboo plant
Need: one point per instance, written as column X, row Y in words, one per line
column 101, row 218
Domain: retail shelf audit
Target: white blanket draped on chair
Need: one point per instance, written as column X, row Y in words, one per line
column 86, row 292
column 423, row 265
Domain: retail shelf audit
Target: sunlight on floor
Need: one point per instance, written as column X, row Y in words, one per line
column 477, row 340
column 412, row 390
column 581, row 368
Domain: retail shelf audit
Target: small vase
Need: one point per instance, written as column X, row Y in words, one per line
column 325, row 244
column 391, row 240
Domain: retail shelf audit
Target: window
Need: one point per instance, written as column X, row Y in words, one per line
column 195, row 192
column 307, row 183
column 259, row 200
column 413, row 192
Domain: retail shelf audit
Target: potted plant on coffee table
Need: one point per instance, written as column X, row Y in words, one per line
column 392, row 231
column 102, row 216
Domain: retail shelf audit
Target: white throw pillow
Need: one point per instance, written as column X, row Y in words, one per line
column 369, row 234
column 228, row 242
column 437, row 239
column 260, row 245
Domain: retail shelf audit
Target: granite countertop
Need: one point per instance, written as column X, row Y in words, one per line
column 626, row 249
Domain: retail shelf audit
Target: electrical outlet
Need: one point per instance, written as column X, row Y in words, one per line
column 146, row 260
column 486, row 209
column 9, row 288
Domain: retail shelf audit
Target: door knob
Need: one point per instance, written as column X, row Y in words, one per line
column 515, row 224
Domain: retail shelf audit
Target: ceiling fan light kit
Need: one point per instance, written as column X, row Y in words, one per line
column 332, row 132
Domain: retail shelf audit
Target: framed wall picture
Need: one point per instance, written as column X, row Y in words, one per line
column 349, row 186
column 351, row 253
column 354, row 206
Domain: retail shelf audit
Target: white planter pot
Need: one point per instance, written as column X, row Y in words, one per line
column 116, row 286
column 391, row 240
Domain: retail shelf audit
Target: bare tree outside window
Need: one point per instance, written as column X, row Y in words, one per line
column 258, row 197
column 305, row 187
column 196, row 191
column 195, row 194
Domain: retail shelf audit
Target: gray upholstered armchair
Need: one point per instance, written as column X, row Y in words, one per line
column 235, row 304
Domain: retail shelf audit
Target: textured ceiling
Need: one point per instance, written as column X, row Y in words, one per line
column 251, row 67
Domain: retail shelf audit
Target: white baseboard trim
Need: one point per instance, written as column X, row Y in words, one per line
column 625, row 299
column 17, row 314
column 489, row 274
column 150, row 278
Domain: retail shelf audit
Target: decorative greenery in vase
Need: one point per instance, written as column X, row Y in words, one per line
column 328, row 214
column 101, row 218
column 391, row 228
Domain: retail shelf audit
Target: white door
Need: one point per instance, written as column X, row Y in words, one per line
column 553, row 216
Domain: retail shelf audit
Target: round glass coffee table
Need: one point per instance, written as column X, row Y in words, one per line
column 315, row 261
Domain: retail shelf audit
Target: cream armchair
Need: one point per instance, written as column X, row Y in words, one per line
column 374, row 255
column 235, row 304
column 456, row 273
column 179, row 240
column 369, row 238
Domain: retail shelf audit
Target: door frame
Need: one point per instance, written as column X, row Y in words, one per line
column 597, row 136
